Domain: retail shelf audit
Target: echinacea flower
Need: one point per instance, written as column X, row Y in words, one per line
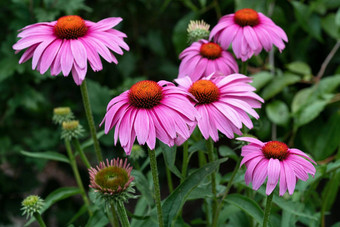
column 222, row 103
column 65, row 45
column 248, row 31
column 204, row 58
column 112, row 179
column 275, row 160
column 150, row 110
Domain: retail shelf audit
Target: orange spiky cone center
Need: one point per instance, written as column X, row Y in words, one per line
column 145, row 94
column 244, row 17
column 70, row 27
column 275, row 149
column 211, row 50
column 204, row 91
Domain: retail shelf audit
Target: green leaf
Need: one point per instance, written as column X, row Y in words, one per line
column 328, row 23
column 328, row 137
column 80, row 212
column 55, row 196
column 50, row 155
column 299, row 68
column 290, row 206
column 301, row 98
column 98, row 219
column 311, row 111
column 247, row 205
column 278, row 112
column 198, row 146
column 99, row 96
column 173, row 204
column 309, row 22
column 225, row 151
column 89, row 142
column 261, row 79
column 142, row 185
column 278, row 84
column 179, row 37
column 328, row 84
column 169, row 154
column 337, row 18
column 330, row 192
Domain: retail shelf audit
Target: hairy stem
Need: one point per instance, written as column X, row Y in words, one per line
column 81, row 153
column 39, row 219
column 185, row 161
column 122, row 214
column 154, row 171
column 218, row 210
column 87, row 107
column 267, row 209
column 76, row 174
column 210, row 145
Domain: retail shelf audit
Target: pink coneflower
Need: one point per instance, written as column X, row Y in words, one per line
column 204, row 58
column 65, row 45
column 222, row 103
column 249, row 32
column 112, row 177
column 150, row 110
column 275, row 160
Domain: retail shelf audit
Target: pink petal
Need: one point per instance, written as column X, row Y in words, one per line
column 260, row 174
column 251, row 140
column 79, row 53
column 49, row 55
column 283, row 182
column 290, row 177
column 141, row 126
column 273, row 175
column 298, row 152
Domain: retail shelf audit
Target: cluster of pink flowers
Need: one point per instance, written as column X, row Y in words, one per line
column 210, row 92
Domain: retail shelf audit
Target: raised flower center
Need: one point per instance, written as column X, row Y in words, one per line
column 244, row 17
column 211, row 50
column 145, row 94
column 275, row 149
column 70, row 27
column 204, row 91
column 112, row 177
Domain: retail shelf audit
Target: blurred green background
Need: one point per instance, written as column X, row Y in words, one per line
column 301, row 111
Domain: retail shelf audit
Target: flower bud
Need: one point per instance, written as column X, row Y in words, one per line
column 61, row 114
column 197, row 30
column 32, row 204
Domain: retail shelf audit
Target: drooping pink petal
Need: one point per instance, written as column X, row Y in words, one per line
column 273, row 175
column 290, row 177
column 260, row 174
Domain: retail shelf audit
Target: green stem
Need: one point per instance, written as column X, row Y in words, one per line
column 169, row 179
column 81, row 153
column 210, row 145
column 244, row 66
column 185, row 160
column 122, row 214
column 217, row 9
column 153, row 165
column 87, row 106
column 226, row 192
column 76, row 174
column 39, row 219
column 267, row 210
column 114, row 219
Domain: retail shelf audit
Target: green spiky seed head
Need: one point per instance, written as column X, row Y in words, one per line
column 71, row 129
column 198, row 30
column 32, row 204
column 61, row 114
